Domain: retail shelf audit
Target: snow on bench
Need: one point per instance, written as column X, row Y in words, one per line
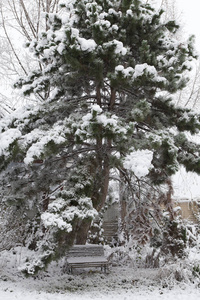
column 86, row 256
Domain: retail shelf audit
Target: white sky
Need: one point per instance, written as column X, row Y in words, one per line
column 188, row 11
column 190, row 16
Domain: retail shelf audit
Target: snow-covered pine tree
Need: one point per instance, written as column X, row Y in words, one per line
column 111, row 67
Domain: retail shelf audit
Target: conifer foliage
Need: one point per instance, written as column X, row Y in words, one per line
column 110, row 68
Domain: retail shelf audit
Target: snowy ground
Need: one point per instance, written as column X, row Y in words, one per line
column 122, row 283
column 11, row 291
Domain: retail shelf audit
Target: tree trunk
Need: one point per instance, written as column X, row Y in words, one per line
column 123, row 208
column 104, row 183
column 98, row 95
column 112, row 98
column 82, row 232
column 101, row 174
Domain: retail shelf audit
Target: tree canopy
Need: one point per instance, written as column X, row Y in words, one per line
column 110, row 68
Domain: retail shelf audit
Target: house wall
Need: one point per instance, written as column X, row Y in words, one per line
column 190, row 209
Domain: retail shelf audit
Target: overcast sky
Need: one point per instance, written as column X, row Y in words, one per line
column 190, row 16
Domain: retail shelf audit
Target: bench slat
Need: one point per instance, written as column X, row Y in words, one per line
column 85, row 256
column 86, row 250
column 83, row 259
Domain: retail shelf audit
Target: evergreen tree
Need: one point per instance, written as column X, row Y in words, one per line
column 110, row 68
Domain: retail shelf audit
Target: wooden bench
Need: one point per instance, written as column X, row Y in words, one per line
column 86, row 256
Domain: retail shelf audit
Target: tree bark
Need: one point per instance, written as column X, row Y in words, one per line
column 98, row 95
column 112, row 98
column 82, row 232
column 101, row 173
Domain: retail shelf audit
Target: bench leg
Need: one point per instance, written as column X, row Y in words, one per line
column 104, row 268
column 69, row 270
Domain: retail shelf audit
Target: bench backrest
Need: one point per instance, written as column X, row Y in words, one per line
column 85, row 250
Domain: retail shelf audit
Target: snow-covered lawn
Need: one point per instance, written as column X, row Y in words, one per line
column 122, row 283
column 11, row 292
column 96, row 286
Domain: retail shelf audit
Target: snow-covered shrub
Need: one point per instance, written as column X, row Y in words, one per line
column 152, row 259
column 95, row 234
column 174, row 240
